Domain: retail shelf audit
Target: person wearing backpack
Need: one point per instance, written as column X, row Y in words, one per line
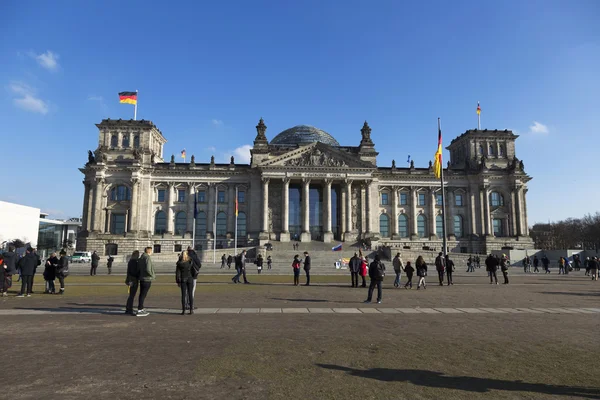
column 132, row 280
column 62, row 271
column 376, row 273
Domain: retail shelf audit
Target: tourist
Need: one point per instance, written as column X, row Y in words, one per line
column 504, row 268
column 491, row 265
column 184, row 279
column 354, row 266
column 397, row 264
column 50, row 273
column 147, row 275
column 269, row 262
column 296, row 268
column 594, row 265
column 10, row 268
column 240, row 266
column 37, row 264
column 94, row 265
column 27, row 266
column 546, row 264
column 586, row 264
column 229, row 261
column 307, row 268
column 363, row 270
column 421, row 272
column 223, row 261
column 440, row 266
column 576, row 262
column 449, row 269
column 2, row 274
column 196, row 265
column 259, row 263
column 409, row 270
column 478, row 261
column 526, row 267
column 109, row 264
column 536, row 264
column 561, row 265
column 376, row 274
column 132, row 280
column 568, row 266
column 470, row 264
column 62, row 271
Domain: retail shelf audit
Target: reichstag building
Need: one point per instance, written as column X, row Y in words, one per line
column 301, row 185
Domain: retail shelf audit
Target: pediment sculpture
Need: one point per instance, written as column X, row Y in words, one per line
column 315, row 158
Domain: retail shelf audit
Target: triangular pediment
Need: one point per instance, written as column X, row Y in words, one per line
column 316, row 155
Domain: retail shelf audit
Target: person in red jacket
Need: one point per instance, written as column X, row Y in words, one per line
column 296, row 268
column 363, row 270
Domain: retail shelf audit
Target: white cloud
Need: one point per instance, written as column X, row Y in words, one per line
column 212, row 149
column 538, row 128
column 242, row 154
column 48, row 60
column 217, row 122
column 26, row 98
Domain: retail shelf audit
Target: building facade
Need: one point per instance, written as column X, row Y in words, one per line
column 302, row 185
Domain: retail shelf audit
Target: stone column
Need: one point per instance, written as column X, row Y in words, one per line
column 368, row 198
column 519, row 205
column 414, row 235
column 349, row 235
column 305, row 235
column 328, row 234
column 133, row 217
column 231, row 211
column 170, row 222
column 107, row 227
column 485, row 197
column 191, row 193
column 127, row 220
column 265, row 208
column 284, row 236
column 472, row 213
column 210, row 209
column 86, row 207
column 513, row 213
column 524, row 213
column 342, row 212
column 99, row 187
column 394, row 219
column 432, row 203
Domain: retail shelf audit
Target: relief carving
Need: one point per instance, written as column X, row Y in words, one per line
column 315, row 158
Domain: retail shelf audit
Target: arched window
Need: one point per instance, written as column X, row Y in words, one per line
column 496, row 199
column 491, row 150
column 241, row 225
column 136, row 141
column 403, row 225
column 480, row 150
column 221, row 224
column 201, row 225
column 439, row 226
column 125, row 141
column 501, row 150
column 384, row 225
column 180, row 223
column 160, row 223
column 120, row 193
column 113, row 141
column 458, row 226
column 421, row 226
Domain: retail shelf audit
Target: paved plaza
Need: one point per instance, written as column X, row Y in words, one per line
column 536, row 338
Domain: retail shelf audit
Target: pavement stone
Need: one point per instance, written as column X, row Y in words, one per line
column 297, row 310
column 270, row 310
column 409, row 310
column 369, row 311
column 250, row 311
column 472, row 310
column 320, row 310
column 229, row 310
column 388, row 311
column 449, row 310
column 347, row 310
column 428, row 311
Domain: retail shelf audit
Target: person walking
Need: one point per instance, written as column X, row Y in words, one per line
column 376, row 274
column 269, row 262
column 296, row 269
column 62, row 271
column 449, row 269
column 50, row 273
column 409, row 270
column 10, row 268
column 223, row 261
column 586, row 264
column 229, row 261
column 568, row 266
column 561, row 266
column 398, row 265
column 421, row 272
column 491, row 264
column 240, row 266
column 184, row 279
column 440, row 266
column 363, row 271
column 536, row 264
column 27, row 266
column 147, row 275
column 109, row 263
column 504, row 268
column 259, row 263
column 470, row 266
column 526, row 264
column 354, row 267
column 307, row 268
column 594, row 265
column 546, row 264
column 94, row 264
column 132, row 280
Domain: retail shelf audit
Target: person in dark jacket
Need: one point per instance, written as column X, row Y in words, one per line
column 184, row 279
column 196, row 265
column 259, row 263
column 449, row 269
column 147, row 275
column 27, row 265
column 132, row 280
column 307, row 268
column 504, row 268
column 546, row 264
column 491, row 264
column 50, row 273
column 536, row 264
column 229, row 261
column 62, row 270
column 376, row 274
column 296, row 268
column 240, row 267
column 94, row 265
column 269, row 262
column 440, row 266
column 223, row 261
column 421, row 272
column 109, row 263
column 10, row 263
column 398, row 265
column 354, row 267
column 409, row 270
column 594, row 264
column 38, row 263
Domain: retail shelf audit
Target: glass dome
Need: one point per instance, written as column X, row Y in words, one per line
column 302, row 135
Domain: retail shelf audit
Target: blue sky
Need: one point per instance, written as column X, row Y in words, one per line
column 207, row 71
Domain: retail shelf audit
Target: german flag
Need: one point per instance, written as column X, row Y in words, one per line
column 128, row 97
column 437, row 163
column 478, row 109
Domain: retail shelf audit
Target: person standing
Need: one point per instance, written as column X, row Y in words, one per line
column 10, row 268
column 195, row 271
column 229, row 261
column 594, row 264
column 109, row 264
column 561, row 266
column 409, row 270
column 27, row 266
column 132, row 280
column 504, row 268
column 536, row 264
column 296, row 269
column 449, row 269
column 421, row 272
column 576, row 262
column 398, row 265
column 376, row 274
column 62, row 271
column 259, row 263
column 470, row 266
column 354, row 266
column 307, row 268
column 269, row 262
column 586, row 264
column 546, row 264
column 526, row 265
column 50, row 273
column 364, row 262
column 147, row 275
column 223, row 261
column 440, row 266
column 491, row 264
column 94, row 264
column 184, row 279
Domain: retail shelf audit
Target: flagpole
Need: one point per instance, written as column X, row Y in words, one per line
column 478, row 117
column 215, row 227
column 135, row 107
column 443, row 196
column 236, row 216
column 194, row 226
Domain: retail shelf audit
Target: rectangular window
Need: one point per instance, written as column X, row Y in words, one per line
column 181, row 195
column 117, row 224
column 498, row 231
column 384, row 199
column 438, row 200
column 421, row 199
column 403, row 199
column 241, row 197
column 161, row 195
column 156, row 249
column 177, row 248
column 458, row 200
column 202, row 197
column 221, row 196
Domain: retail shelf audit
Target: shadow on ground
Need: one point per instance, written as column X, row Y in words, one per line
column 439, row 380
column 574, row 293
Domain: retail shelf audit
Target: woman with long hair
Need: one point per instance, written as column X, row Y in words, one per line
column 62, row 270
column 296, row 268
column 132, row 280
column 183, row 276
column 421, row 272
